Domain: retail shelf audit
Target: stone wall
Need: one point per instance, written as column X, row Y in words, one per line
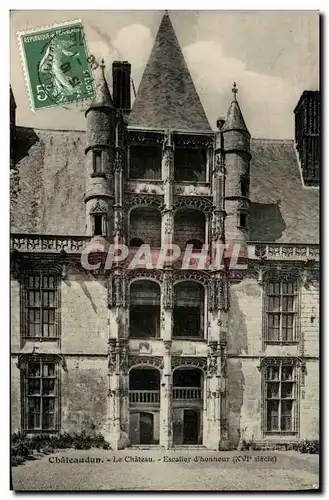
column 245, row 352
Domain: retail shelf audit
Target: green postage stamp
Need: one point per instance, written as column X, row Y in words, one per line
column 56, row 65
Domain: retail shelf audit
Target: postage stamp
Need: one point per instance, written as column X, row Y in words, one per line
column 56, row 65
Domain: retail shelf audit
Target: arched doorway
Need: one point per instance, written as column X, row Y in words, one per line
column 187, row 406
column 144, row 405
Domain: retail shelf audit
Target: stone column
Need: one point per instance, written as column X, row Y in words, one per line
column 167, row 224
column 167, row 231
column 117, row 354
column 112, row 431
column 124, row 394
column 212, row 434
column 118, row 223
column 218, row 214
column 166, row 398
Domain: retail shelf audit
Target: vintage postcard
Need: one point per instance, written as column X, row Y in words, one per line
column 165, row 170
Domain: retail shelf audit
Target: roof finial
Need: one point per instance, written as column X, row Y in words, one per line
column 235, row 91
column 102, row 64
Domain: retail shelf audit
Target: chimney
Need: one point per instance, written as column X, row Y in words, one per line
column 121, row 85
column 307, row 136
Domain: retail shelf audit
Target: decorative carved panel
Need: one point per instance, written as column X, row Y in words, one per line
column 201, row 141
column 196, row 362
column 201, row 276
column 167, row 291
column 143, row 200
column 198, row 202
column 152, row 361
column 117, row 290
column 133, row 274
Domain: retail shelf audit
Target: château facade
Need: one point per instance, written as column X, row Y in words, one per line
column 161, row 355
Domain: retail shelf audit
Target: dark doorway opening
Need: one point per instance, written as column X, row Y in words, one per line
column 146, row 428
column 191, row 426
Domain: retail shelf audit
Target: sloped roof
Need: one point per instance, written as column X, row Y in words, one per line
column 234, row 120
column 51, row 179
column 167, row 97
column 282, row 209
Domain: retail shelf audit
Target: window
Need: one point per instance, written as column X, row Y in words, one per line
column 144, row 309
column 98, row 221
column 244, row 186
column 188, row 314
column 145, row 162
column 97, row 163
column 40, row 395
column 190, row 164
column 41, row 306
column 280, row 397
column 281, row 311
column 243, row 220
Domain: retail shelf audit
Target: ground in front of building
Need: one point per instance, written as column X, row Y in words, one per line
column 157, row 469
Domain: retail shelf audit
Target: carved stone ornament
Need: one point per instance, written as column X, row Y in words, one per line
column 224, row 294
column 119, row 159
column 169, row 223
column 198, row 202
column 136, row 200
column 216, row 226
column 213, row 293
column 119, row 290
column 34, row 357
column 213, row 354
column 118, row 222
column 218, row 165
column 147, row 138
column 288, row 361
column 152, row 361
column 201, row 276
column 123, row 349
column 133, row 274
column 112, row 351
column 98, row 209
column 167, row 346
column 195, row 362
column 201, row 141
column 167, row 291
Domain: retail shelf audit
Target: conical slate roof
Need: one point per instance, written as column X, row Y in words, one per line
column 234, row 120
column 103, row 97
column 167, row 97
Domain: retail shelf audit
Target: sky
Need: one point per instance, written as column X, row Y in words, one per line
column 272, row 55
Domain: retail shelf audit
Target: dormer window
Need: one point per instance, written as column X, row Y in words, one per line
column 98, row 163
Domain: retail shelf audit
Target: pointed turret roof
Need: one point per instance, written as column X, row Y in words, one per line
column 167, row 97
column 235, row 120
column 103, row 97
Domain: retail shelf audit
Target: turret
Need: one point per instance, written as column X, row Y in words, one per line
column 100, row 156
column 236, row 145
